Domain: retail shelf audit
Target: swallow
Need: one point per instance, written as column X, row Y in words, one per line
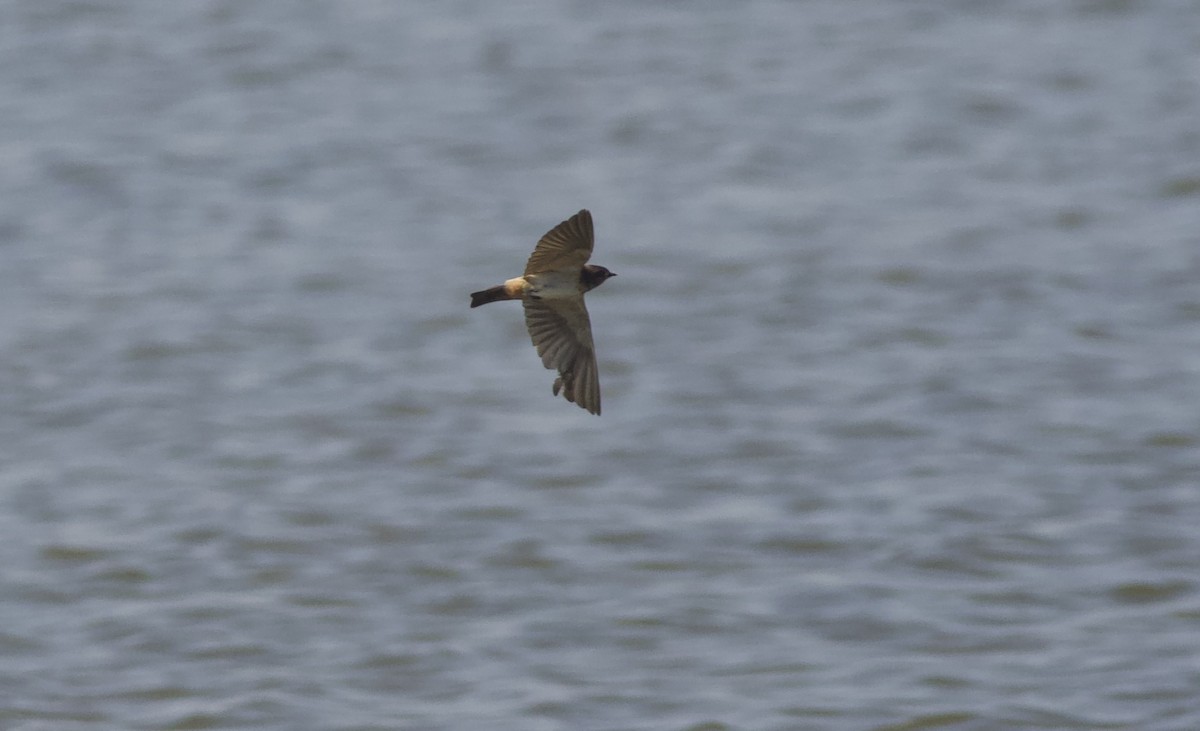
column 551, row 289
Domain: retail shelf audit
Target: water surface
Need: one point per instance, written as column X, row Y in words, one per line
column 900, row 374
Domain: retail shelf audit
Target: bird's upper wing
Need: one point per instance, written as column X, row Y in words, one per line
column 562, row 333
column 566, row 246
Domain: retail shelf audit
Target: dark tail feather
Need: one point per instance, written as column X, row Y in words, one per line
column 488, row 295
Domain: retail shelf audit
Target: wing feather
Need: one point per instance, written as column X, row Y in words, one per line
column 567, row 246
column 562, row 334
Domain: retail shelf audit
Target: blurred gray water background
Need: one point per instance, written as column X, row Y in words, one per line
column 900, row 375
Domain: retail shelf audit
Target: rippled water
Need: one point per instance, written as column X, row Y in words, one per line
column 900, row 374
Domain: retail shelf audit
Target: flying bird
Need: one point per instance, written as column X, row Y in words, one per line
column 556, row 276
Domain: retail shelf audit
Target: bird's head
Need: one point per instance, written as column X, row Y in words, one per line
column 593, row 276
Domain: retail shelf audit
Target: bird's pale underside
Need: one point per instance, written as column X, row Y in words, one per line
column 556, row 277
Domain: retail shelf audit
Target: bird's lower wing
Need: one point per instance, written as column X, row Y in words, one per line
column 562, row 333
